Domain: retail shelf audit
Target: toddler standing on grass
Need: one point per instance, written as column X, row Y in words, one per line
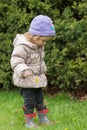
column 27, row 61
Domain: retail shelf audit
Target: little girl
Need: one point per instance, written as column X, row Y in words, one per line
column 29, row 67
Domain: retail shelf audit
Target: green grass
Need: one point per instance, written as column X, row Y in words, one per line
column 67, row 114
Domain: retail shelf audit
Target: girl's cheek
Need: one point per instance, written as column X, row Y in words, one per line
column 40, row 42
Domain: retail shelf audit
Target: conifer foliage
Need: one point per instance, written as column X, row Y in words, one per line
column 66, row 54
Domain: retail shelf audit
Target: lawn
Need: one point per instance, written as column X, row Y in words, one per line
column 68, row 114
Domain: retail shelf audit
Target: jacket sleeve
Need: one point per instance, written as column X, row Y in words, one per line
column 18, row 60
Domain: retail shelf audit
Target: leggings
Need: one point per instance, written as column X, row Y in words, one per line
column 33, row 98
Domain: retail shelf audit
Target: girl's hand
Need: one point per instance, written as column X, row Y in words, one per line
column 27, row 73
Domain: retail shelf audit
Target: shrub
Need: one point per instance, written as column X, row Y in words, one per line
column 66, row 55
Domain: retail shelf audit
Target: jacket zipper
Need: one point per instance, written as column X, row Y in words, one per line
column 40, row 50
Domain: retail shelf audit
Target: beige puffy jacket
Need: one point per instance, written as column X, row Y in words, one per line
column 28, row 56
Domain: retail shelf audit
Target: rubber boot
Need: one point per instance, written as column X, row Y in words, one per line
column 29, row 123
column 43, row 119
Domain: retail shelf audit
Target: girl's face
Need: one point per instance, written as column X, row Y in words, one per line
column 40, row 41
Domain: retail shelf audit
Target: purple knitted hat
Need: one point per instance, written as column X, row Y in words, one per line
column 42, row 25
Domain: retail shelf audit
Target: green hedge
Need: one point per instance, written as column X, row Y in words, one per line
column 66, row 55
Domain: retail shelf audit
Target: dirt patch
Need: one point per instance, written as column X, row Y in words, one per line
column 79, row 93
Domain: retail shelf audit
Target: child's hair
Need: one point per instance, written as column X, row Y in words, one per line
column 31, row 37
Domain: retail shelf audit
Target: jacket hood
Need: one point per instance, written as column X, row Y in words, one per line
column 20, row 39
